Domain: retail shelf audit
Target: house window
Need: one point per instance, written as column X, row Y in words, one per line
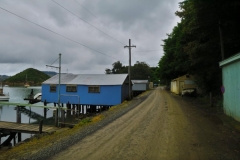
column 71, row 88
column 53, row 88
column 94, row 89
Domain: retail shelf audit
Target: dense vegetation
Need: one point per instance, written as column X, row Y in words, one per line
column 30, row 76
column 139, row 71
column 195, row 47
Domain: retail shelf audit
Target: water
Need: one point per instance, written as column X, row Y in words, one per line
column 17, row 95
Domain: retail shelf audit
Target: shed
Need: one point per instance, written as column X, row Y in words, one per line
column 184, row 82
column 231, row 86
column 86, row 89
column 140, row 85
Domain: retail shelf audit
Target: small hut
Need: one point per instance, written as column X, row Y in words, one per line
column 182, row 83
column 139, row 86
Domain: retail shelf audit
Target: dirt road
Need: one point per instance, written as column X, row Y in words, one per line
column 164, row 126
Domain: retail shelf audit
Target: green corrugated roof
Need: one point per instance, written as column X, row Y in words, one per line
column 230, row 60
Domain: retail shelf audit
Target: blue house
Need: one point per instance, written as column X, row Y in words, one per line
column 86, row 89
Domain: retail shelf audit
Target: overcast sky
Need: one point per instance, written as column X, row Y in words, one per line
column 90, row 34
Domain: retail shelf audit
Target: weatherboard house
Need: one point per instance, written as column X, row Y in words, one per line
column 86, row 89
column 231, row 86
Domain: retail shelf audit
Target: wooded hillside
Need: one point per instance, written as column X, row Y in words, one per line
column 31, row 76
column 194, row 46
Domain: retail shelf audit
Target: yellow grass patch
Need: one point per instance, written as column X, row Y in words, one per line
column 97, row 118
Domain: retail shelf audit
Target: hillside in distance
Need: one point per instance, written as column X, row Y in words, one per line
column 50, row 73
column 31, row 76
column 3, row 77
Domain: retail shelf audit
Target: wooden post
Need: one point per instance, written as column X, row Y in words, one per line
column 56, row 117
column 78, row 110
column 68, row 109
column 129, row 68
column 63, row 118
column 45, row 113
column 45, row 110
column 40, row 127
column 221, row 40
column 19, row 121
column 14, row 141
column 74, row 109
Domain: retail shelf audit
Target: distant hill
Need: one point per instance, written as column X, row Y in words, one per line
column 50, row 73
column 32, row 76
column 3, row 77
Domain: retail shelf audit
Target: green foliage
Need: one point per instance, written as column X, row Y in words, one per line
column 175, row 61
column 194, row 44
column 30, row 75
column 117, row 66
column 108, row 71
column 139, row 71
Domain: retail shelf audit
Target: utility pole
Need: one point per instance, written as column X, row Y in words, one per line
column 59, row 82
column 129, row 68
column 221, row 40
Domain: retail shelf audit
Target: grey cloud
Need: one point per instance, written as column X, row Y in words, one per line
column 26, row 45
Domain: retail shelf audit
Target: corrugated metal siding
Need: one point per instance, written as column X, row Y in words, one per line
column 109, row 95
column 88, row 79
column 139, row 87
column 231, row 82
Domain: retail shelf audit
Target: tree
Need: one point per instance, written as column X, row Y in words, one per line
column 108, row 71
column 196, row 40
column 140, row 71
column 175, row 61
column 117, row 66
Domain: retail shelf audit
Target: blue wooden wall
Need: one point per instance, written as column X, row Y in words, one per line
column 109, row 95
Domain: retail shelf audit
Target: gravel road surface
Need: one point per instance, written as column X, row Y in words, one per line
column 164, row 126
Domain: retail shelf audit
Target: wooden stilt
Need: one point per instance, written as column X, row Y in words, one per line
column 63, row 118
column 14, row 141
column 45, row 112
column 19, row 121
column 78, row 109
column 40, row 127
column 68, row 109
column 56, row 117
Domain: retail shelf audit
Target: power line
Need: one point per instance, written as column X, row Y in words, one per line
column 96, row 17
column 56, row 33
column 86, row 22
